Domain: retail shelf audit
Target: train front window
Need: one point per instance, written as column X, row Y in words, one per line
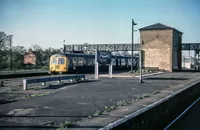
column 61, row 61
column 54, row 61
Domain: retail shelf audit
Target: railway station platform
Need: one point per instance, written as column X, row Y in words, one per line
column 94, row 104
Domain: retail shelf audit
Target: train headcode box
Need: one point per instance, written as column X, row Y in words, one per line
column 104, row 57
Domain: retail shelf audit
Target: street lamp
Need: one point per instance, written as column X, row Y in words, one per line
column 133, row 24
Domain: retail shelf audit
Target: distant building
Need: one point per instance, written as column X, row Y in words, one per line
column 189, row 62
column 31, row 57
column 161, row 46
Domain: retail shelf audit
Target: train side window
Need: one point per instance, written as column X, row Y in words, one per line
column 61, row 61
column 123, row 62
column 85, row 62
column 129, row 61
column 113, row 62
column 70, row 62
column 80, row 62
column 89, row 62
column 93, row 61
column 126, row 62
column 75, row 62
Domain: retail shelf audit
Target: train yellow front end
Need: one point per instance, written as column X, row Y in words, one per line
column 58, row 63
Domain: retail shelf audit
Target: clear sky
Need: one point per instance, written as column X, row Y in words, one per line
column 49, row 22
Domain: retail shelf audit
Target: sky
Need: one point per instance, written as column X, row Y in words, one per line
column 49, row 22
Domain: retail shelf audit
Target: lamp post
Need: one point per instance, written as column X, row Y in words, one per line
column 133, row 23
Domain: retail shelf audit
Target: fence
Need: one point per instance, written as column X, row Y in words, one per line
column 49, row 79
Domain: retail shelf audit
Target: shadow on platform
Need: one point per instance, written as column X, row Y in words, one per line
column 6, row 101
column 56, row 86
column 156, row 78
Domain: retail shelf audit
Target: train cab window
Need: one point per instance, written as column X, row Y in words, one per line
column 54, row 61
column 61, row 61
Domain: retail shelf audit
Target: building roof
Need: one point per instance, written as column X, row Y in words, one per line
column 36, row 53
column 158, row 26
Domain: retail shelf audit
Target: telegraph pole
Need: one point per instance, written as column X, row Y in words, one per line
column 11, row 52
column 64, row 48
column 133, row 23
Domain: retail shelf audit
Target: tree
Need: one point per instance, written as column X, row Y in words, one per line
column 4, row 50
column 36, row 47
column 3, row 38
column 20, row 49
column 18, row 56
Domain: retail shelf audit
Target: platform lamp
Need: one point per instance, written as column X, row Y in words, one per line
column 133, row 24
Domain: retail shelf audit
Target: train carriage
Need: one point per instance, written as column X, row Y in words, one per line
column 83, row 63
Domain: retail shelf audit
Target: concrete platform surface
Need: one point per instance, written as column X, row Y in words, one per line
column 79, row 102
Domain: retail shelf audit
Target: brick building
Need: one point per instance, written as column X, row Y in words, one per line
column 30, row 57
column 161, row 47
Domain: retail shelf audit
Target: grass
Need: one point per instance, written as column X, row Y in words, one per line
column 66, row 124
column 38, row 95
column 144, row 71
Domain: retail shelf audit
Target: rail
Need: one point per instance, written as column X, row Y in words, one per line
column 49, row 79
column 182, row 114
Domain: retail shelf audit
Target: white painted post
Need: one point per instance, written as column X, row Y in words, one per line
column 43, row 83
column 96, row 70
column 96, row 66
column 59, row 81
column 110, row 70
column 24, row 84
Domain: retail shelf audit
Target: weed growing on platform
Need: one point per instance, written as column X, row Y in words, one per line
column 156, row 92
column 110, row 108
column 66, row 124
column 97, row 113
column 38, row 95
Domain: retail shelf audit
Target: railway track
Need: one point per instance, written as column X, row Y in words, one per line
column 172, row 125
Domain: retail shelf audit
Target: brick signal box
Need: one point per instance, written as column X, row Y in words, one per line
column 161, row 47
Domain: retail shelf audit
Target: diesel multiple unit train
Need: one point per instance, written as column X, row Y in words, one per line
column 84, row 63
